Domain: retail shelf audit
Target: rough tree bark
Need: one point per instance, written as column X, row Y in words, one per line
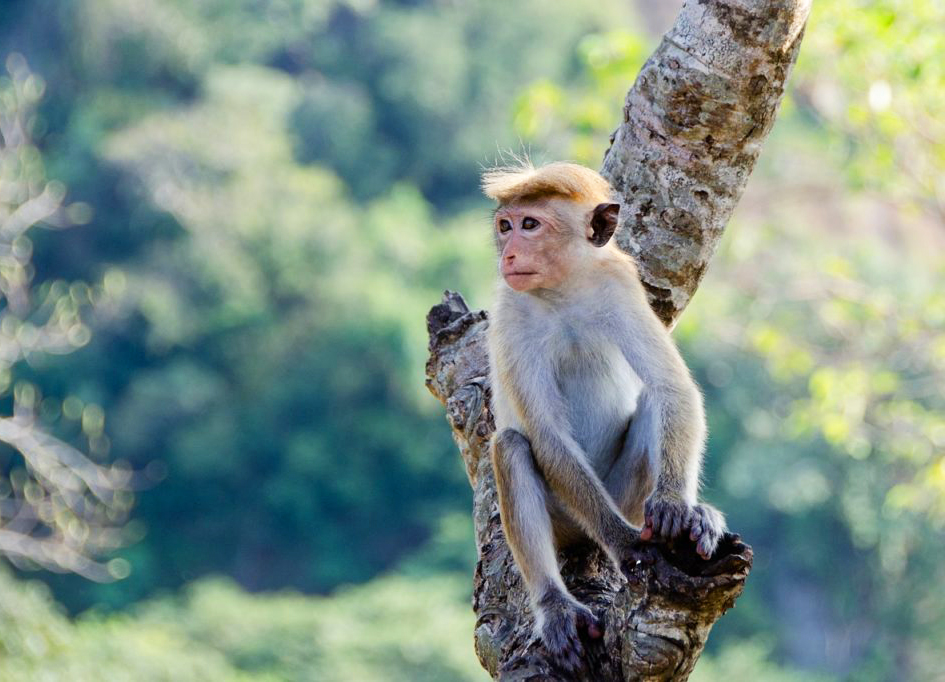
column 693, row 126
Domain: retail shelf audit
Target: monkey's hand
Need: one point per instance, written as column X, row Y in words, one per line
column 563, row 622
column 668, row 518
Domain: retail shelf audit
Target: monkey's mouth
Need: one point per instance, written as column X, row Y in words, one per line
column 519, row 274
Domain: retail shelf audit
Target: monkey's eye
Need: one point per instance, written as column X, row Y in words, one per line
column 530, row 224
column 504, row 226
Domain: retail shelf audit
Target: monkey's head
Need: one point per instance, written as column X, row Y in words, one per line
column 551, row 222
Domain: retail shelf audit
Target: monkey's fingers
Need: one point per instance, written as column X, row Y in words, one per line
column 695, row 530
column 707, row 530
column 660, row 518
column 667, row 519
column 708, row 543
column 682, row 519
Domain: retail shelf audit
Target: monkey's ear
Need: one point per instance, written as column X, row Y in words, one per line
column 603, row 223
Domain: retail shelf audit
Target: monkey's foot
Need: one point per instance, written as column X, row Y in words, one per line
column 564, row 623
column 668, row 519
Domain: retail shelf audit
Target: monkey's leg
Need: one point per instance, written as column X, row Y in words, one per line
column 581, row 492
column 630, row 481
column 523, row 506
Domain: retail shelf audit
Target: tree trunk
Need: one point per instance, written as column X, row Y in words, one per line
column 693, row 126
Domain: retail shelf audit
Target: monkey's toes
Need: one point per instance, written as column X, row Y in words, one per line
column 590, row 625
column 561, row 632
column 560, row 637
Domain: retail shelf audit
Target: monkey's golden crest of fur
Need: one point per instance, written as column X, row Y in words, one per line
column 599, row 424
column 569, row 180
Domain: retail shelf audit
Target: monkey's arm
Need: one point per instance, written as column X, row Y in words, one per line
column 669, row 429
column 561, row 460
column 669, row 424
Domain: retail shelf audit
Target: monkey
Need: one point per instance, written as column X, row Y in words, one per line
column 600, row 427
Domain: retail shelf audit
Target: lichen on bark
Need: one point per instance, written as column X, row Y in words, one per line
column 694, row 123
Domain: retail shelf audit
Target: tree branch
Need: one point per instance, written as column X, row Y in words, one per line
column 693, row 126
column 694, row 123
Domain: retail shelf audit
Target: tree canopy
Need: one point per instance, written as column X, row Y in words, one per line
column 267, row 197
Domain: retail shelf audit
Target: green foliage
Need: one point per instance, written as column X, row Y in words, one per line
column 816, row 438
column 871, row 72
column 314, row 322
column 59, row 509
column 570, row 122
column 38, row 642
column 748, row 660
column 279, row 191
column 391, row 629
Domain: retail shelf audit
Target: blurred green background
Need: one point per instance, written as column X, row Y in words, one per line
column 223, row 222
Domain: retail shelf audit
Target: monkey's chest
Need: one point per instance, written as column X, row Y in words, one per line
column 600, row 391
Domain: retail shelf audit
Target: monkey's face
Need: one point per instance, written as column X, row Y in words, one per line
column 534, row 244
